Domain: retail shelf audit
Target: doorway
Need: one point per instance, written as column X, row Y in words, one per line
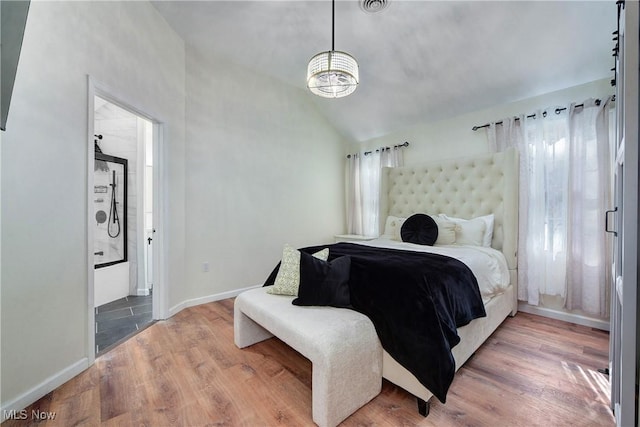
column 121, row 222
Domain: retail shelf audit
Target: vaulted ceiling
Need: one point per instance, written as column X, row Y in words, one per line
column 420, row 61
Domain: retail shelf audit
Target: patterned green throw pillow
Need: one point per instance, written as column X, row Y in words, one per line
column 288, row 278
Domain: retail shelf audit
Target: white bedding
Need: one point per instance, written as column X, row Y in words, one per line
column 487, row 264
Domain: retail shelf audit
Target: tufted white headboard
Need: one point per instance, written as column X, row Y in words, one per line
column 463, row 188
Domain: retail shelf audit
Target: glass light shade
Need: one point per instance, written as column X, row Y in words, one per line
column 332, row 74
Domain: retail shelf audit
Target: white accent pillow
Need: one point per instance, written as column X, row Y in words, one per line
column 392, row 227
column 477, row 231
column 288, row 278
column 446, row 231
column 488, row 234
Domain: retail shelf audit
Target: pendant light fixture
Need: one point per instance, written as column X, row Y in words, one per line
column 332, row 74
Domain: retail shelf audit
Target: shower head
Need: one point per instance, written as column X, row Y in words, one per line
column 96, row 147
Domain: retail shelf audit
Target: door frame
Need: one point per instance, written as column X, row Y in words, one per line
column 624, row 295
column 160, row 292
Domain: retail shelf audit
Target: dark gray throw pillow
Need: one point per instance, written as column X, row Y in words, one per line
column 324, row 283
column 420, row 229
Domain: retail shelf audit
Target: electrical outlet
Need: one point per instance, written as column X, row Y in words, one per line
column 205, row 267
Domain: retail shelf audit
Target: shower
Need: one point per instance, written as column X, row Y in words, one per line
column 110, row 186
column 113, row 210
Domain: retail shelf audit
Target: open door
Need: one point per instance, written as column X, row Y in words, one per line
column 118, row 129
column 624, row 295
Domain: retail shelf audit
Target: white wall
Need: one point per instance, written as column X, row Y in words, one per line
column 453, row 137
column 128, row 47
column 264, row 169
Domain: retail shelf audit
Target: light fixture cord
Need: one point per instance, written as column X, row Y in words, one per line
column 333, row 24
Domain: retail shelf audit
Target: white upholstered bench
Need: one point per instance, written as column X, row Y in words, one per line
column 342, row 345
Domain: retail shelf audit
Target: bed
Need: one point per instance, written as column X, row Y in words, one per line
column 456, row 190
column 462, row 188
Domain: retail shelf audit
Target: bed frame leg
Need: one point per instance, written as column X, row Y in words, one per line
column 423, row 407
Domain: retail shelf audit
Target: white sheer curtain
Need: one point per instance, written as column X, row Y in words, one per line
column 363, row 188
column 547, row 143
column 590, row 190
column 564, row 190
column 353, row 194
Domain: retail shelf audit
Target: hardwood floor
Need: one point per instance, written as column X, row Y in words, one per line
column 186, row 371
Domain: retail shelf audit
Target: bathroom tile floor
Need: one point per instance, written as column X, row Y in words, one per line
column 119, row 319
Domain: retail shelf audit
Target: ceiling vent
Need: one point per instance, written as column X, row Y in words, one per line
column 374, row 6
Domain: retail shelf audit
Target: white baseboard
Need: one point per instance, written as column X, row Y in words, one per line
column 209, row 298
column 143, row 292
column 55, row 381
column 37, row 392
column 564, row 316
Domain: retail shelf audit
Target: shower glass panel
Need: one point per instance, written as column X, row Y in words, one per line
column 110, row 206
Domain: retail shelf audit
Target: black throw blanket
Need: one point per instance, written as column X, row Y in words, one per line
column 416, row 301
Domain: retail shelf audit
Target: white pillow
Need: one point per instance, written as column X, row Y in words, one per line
column 288, row 279
column 477, row 231
column 446, row 231
column 488, row 234
column 392, row 227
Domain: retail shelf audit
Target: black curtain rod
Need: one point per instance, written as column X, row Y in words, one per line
column 366, row 153
column 533, row 116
